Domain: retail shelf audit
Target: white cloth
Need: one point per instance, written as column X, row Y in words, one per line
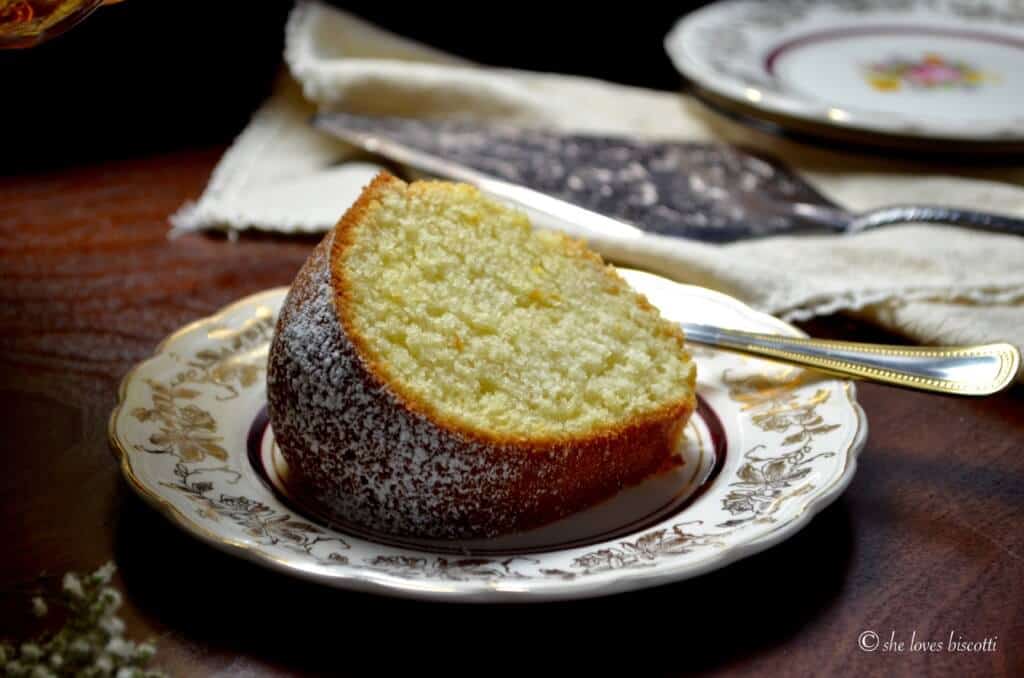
column 934, row 284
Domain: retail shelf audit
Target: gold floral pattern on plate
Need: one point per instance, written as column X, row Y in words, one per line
column 181, row 433
column 769, row 477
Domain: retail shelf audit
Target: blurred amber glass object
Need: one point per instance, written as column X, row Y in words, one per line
column 24, row 23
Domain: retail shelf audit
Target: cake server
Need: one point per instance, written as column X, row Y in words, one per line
column 957, row 370
column 712, row 192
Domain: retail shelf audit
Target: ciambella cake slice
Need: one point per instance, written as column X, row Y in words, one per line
column 442, row 370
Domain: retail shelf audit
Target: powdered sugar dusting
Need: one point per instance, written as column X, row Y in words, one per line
column 350, row 440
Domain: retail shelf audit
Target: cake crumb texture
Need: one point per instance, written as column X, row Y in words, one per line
column 500, row 328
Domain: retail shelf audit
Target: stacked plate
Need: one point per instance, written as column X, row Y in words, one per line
column 905, row 73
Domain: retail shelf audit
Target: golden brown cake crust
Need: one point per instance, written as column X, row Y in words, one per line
column 364, row 451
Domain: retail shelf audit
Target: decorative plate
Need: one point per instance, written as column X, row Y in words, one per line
column 769, row 447
column 925, row 69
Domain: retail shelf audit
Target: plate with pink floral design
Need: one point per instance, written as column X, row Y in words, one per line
column 768, row 447
column 924, row 69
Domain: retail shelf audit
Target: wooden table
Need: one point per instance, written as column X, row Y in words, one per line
column 928, row 538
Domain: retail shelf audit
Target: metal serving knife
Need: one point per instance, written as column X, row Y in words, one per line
column 958, row 370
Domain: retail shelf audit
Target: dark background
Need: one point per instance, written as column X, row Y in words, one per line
column 154, row 75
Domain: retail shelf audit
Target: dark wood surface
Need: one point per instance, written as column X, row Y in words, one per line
column 928, row 538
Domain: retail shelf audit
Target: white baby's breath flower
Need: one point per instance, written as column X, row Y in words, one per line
column 110, row 599
column 105, row 573
column 73, row 585
column 90, row 645
column 39, row 607
column 145, row 651
column 119, row 647
column 113, row 626
column 104, row 664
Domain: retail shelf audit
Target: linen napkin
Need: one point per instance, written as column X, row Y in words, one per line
column 935, row 284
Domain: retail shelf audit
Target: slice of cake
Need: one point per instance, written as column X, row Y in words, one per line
column 440, row 369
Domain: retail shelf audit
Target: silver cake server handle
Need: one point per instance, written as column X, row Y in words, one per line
column 810, row 217
column 955, row 370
